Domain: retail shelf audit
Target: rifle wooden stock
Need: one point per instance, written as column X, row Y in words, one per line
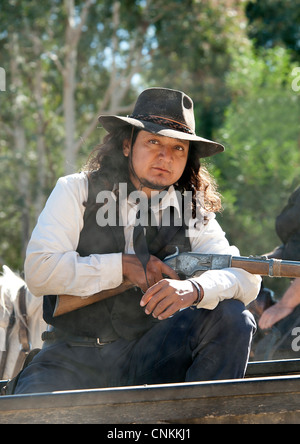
column 267, row 267
column 66, row 302
column 189, row 264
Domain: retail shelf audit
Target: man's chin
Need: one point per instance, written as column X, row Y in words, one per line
column 154, row 185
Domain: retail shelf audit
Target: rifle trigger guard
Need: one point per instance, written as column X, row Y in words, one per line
column 171, row 256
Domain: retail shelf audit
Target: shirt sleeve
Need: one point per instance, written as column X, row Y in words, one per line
column 52, row 265
column 228, row 283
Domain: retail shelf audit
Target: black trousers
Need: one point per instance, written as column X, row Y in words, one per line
column 193, row 345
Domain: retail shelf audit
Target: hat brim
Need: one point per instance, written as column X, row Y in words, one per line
column 205, row 147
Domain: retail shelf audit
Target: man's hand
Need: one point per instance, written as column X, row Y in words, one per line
column 289, row 301
column 273, row 315
column 133, row 271
column 167, row 297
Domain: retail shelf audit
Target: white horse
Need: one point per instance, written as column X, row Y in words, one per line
column 21, row 323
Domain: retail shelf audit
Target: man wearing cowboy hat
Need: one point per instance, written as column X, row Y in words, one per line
column 156, row 328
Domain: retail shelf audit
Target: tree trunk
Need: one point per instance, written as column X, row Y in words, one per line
column 19, row 138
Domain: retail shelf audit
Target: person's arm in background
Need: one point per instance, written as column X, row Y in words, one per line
column 283, row 308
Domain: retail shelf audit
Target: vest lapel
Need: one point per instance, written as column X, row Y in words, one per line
column 165, row 233
column 118, row 232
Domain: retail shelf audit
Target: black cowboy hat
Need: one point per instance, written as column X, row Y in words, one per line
column 165, row 112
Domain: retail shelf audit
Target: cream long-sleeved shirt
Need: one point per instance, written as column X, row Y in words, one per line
column 53, row 266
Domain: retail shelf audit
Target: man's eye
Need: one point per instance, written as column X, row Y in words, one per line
column 179, row 148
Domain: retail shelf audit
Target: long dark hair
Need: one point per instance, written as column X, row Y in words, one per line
column 108, row 160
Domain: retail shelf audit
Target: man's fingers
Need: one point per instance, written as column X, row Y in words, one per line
column 159, row 300
column 156, row 270
column 165, row 309
column 165, row 269
column 167, row 297
column 151, row 292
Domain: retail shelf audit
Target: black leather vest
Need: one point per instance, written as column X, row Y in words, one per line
column 121, row 315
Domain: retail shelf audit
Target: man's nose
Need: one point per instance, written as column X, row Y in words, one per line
column 166, row 153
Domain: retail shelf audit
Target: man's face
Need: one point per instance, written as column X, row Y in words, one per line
column 158, row 161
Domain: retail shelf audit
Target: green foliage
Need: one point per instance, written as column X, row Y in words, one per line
column 192, row 54
column 261, row 164
column 275, row 22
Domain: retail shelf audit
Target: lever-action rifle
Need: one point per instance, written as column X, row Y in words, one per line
column 187, row 265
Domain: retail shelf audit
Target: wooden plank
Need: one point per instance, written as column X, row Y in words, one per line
column 256, row 400
column 260, row 368
column 273, row 368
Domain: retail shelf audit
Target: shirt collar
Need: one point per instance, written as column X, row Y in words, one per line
column 160, row 200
